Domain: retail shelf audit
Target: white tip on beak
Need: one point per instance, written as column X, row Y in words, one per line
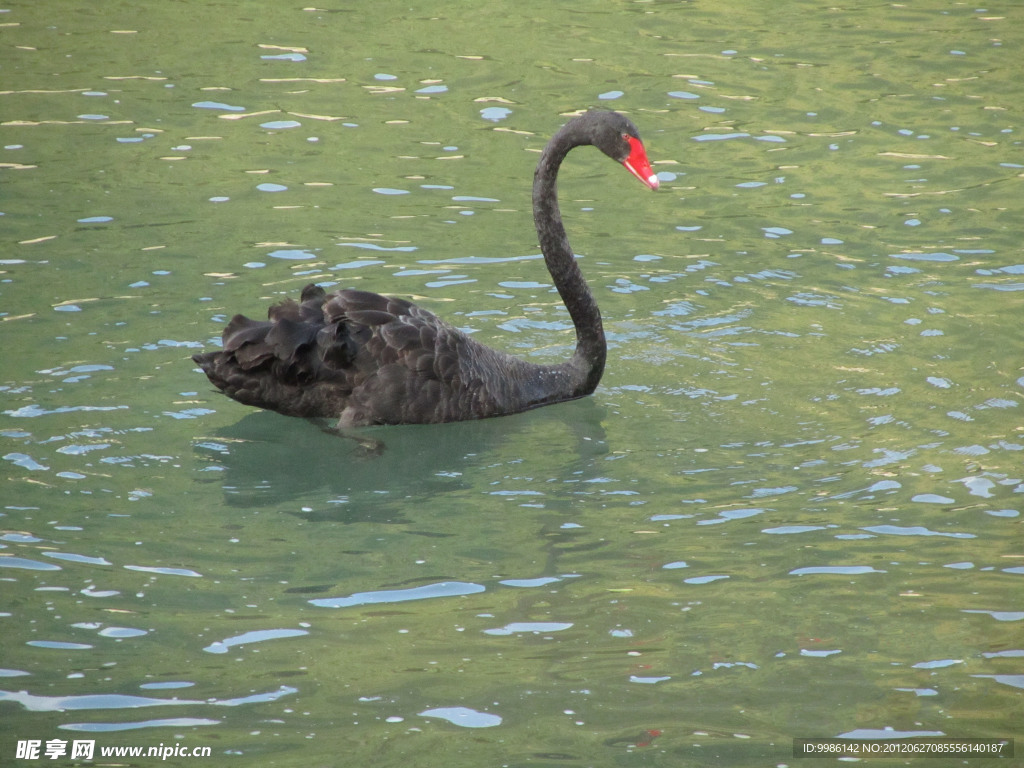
column 651, row 180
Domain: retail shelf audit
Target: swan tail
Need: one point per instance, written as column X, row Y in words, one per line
column 297, row 362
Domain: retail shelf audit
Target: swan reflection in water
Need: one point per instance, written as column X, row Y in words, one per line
column 264, row 461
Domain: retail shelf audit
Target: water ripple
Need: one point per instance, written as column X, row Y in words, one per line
column 529, row 627
column 35, row 703
column 256, row 636
column 428, row 591
column 31, row 565
column 837, row 570
column 167, row 722
column 463, row 717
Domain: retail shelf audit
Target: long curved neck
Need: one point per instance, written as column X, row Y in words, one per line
column 587, row 363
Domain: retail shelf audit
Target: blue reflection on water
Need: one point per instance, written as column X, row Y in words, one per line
column 257, row 636
column 915, row 530
column 720, row 136
column 706, row 579
column 836, row 570
column 463, row 716
column 125, row 701
column 442, row 589
column 218, row 105
column 295, row 254
column 732, row 514
column 31, row 565
column 375, row 247
column 939, row 257
column 495, row 114
column 166, row 722
column 73, row 558
column 538, row 582
column 163, row 571
column 529, row 627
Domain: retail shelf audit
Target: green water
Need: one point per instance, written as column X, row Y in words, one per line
column 791, row 509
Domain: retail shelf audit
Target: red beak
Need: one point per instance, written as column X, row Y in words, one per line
column 638, row 164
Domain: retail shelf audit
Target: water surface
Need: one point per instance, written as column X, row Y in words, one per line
column 792, row 509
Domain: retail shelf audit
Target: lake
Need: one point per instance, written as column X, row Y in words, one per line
column 791, row 510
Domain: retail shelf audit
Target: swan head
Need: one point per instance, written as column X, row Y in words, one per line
column 616, row 136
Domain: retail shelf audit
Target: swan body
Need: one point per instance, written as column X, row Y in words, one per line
column 366, row 359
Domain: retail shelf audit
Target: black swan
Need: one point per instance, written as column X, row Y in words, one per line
column 369, row 359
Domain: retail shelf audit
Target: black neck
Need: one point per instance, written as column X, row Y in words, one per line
column 591, row 348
